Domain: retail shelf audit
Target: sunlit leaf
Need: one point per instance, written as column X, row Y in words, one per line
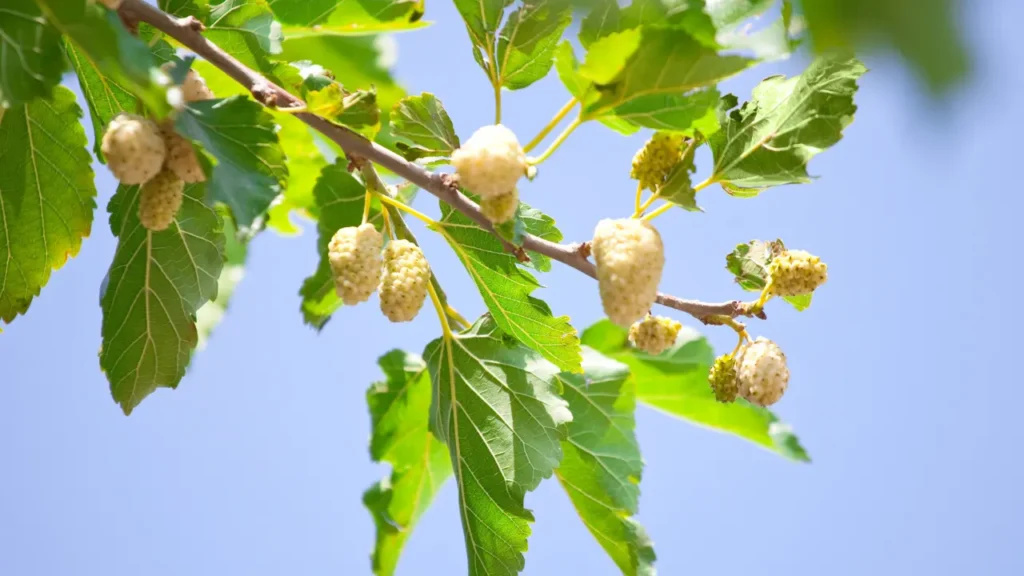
column 526, row 44
column 30, row 54
column 47, row 195
column 422, row 128
column 347, row 17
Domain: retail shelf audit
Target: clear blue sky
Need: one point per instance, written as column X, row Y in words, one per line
column 904, row 386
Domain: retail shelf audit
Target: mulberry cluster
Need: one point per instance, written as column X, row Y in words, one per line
column 194, row 88
column 630, row 258
column 654, row 334
column 134, row 149
column 653, row 162
column 501, row 208
column 159, row 200
column 490, row 162
column 354, row 255
column 404, row 280
column 722, row 378
column 761, row 372
column 796, row 272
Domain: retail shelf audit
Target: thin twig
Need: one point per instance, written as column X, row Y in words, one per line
column 443, row 186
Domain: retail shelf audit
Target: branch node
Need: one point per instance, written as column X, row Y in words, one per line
column 191, row 23
column 450, row 182
column 582, row 250
column 264, row 94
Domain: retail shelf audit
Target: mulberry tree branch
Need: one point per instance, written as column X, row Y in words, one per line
column 188, row 31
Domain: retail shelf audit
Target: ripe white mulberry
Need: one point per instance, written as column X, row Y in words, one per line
column 404, row 280
column 654, row 334
column 354, row 254
column 501, row 208
column 722, row 378
column 134, row 149
column 630, row 258
column 796, row 272
column 653, row 162
column 181, row 155
column 761, row 372
column 159, row 200
column 490, row 162
column 194, row 88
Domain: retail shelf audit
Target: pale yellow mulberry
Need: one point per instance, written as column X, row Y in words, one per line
column 653, row 163
column 501, row 208
column 490, row 162
column 354, row 255
column 722, row 378
column 133, row 148
column 796, row 272
column 159, row 200
column 761, row 372
column 181, row 155
column 630, row 258
column 404, row 281
column 194, row 88
column 654, row 334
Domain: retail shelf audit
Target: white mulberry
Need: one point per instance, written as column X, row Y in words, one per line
column 354, row 254
column 654, row 334
column 722, row 378
column 159, row 200
column 653, row 162
column 404, row 280
column 796, row 272
column 181, row 155
column 630, row 258
column 501, row 208
column 134, row 149
column 761, row 372
column 490, row 162
column 194, row 88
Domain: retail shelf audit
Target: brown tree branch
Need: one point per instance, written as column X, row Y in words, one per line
column 188, row 31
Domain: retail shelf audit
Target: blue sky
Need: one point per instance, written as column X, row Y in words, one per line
column 903, row 387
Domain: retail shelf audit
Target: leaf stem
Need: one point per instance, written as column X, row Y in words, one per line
column 639, row 194
column 430, row 222
column 551, row 125
column 458, row 318
column 558, row 142
column 766, row 295
column 366, row 206
column 388, row 231
column 497, row 103
column 668, row 205
column 445, row 327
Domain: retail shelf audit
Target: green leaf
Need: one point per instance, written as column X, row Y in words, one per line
column 246, row 30
column 181, row 8
column 774, row 41
column 496, row 407
column 340, row 199
column 357, row 110
column 400, row 411
column 606, row 17
column 29, row 54
column 568, row 71
column 105, row 97
column 770, row 139
column 729, row 13
column 347, row 17
column 749, row 264
column 529, row 220
column 923, row 32
column 236, row 250
column 601, row 464
column 678, row 187
column 506, row 289
column 607, row 57
column 422, row 128
column 676, row 383
column 47, row 195
column 240, row 135
column 305, row 161
column 102, row 37
column 666, row 61
column 687, row 113
column 482, row 17
column 156, row 283
column 526, row 44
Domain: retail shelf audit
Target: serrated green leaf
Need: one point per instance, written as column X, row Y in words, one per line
column 770, row 139
column 47, row 195
column 749, row 264
column 497, row 408
column 30, row 54
column 923, row 32
column 601, row 464
column 526, row 45
column 506, row 289
column 240, row 135
column 666, row 61
column 348, row 17
column 774, row 41
column 156, row 283
column 606, row 17
column 236, row 251
column 101, row 36
column 246, row 30
column 340, row 199
column 104, row 97
column 422, row 127
column 678, row 187
column 608, row 56
column 400, row 413
column 529, row 220
column 568, row 71
column 676, row 383
column 357, row 110
column 482, row 17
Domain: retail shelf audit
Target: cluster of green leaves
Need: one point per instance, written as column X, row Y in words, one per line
column 517, row 397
